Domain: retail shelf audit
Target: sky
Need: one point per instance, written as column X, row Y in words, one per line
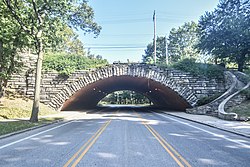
column 127, row 25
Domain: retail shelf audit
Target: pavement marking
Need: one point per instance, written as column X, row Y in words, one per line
column 26, row 138
column 85, row 148
column 171, row 151
column 170, row 147
column 209, row 132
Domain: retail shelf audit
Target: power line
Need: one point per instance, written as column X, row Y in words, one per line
column 114, row 45
column 143, row 20
column 117, row 47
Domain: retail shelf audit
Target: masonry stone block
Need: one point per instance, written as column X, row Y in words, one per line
column 59, row 89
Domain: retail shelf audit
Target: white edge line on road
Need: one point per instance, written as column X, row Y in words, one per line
column 214, row 134
column 26, row 138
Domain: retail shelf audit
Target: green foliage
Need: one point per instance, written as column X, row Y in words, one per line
column 8, row 127
column 224, row 33
column 19, row 108
column 247, row 71
column 125, row 97
column 66, row 63
column 200, row 69
column 148, row 57
column 46, row 19
column 182, row 42
column 12, row 40
column 207, row 99
column 242, row 110
column 181, row 45
column 246, row 92
column 69, row 42
column 13, row 126
column 42, row 20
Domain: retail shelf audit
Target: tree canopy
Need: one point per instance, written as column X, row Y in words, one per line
column 182, row 42
column 12, row 40
column 225, row 32
column 41, row 20
column 160, row 51
column 181, row 45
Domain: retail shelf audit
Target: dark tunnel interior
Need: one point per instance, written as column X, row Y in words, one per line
column 160, row 95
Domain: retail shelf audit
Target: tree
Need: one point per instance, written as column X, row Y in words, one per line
column 41, row 19
column 225, row 34
column 125, row 97
column 181, row 45
column 148, row 57
column 11, row 41
column 69, row 42
column 182, row 42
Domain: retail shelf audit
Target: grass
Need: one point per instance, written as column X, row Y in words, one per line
column 243, row 109
column 13, row 126
column 17, row 108
column 20, row 108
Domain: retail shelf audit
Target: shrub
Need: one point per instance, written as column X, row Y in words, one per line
column 207, row 70
column 247, row 71
column 207, row 99
column 65, row 63
column 246, row 92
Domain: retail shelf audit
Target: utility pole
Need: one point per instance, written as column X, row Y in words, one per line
column 154, row 20
column 166, row 50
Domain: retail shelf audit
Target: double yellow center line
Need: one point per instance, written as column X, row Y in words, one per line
column 170, row 150
column 84, row 149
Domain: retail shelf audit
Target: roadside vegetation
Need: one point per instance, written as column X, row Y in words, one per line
column 66, row 63
column 15, row 113
column 243, row 109
column 195, row 47
column 246, row 93
column 15, row 108
column 41, row 27
column 247, row 71
column 203, row 48
column 200, row 69
column 7, row 127
column 208, row 99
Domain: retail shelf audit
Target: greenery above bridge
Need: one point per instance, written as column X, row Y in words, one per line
column 220, row 37
column 66, row 64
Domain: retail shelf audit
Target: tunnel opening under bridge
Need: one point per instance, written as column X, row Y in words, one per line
column 160, row 95
column 125, row 98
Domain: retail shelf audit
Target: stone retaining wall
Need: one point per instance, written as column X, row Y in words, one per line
column 52, row 85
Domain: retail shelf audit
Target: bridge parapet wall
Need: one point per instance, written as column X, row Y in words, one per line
column 55, row 89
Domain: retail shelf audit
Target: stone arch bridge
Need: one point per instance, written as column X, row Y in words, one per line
column 167, row 88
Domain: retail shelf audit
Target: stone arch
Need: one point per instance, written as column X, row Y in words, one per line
column 163, row 82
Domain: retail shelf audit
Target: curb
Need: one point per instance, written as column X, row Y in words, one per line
column 211, row 125
column 29, row 129
column 35, row 127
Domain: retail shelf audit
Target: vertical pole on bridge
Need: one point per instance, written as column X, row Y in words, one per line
column 154, row 20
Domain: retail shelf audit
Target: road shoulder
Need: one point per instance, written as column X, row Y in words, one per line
column 236, row 127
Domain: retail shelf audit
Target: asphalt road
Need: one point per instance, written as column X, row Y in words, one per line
column 128, row 137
